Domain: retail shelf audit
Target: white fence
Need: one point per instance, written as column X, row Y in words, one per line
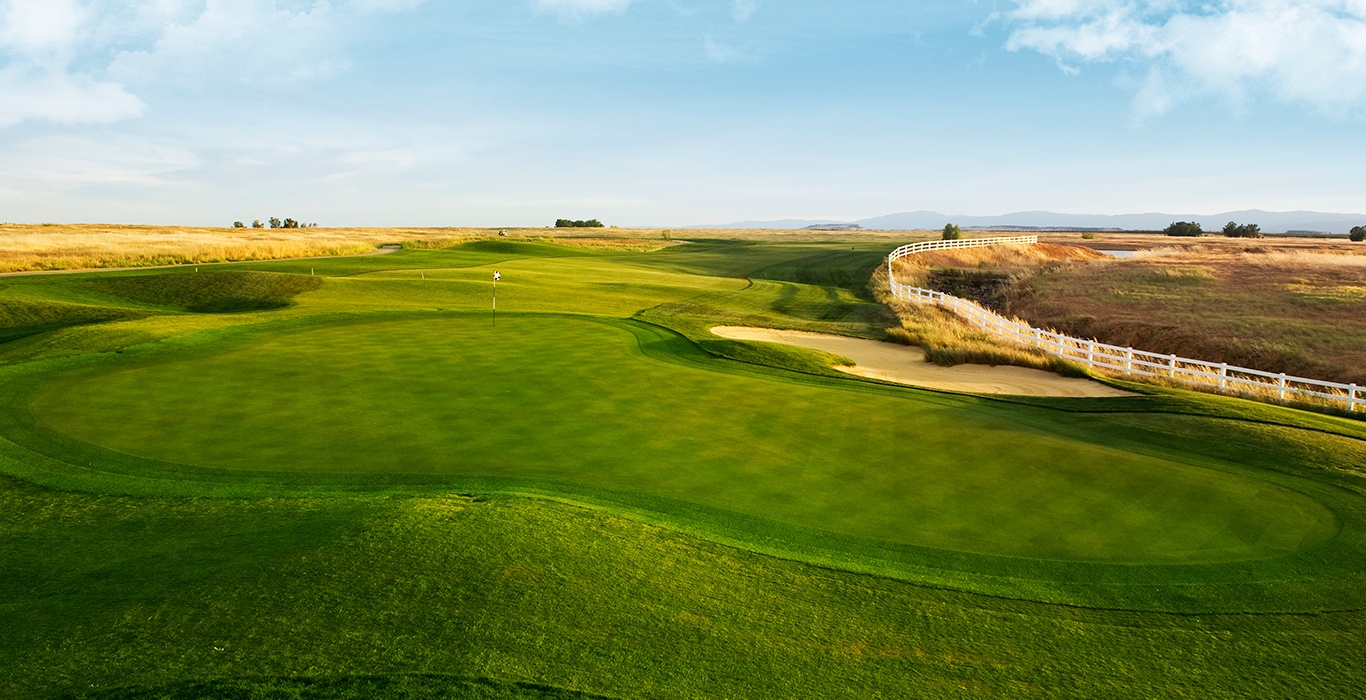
column 1113, row 358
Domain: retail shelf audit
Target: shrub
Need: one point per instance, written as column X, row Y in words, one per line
column 952, row 232
column 274, row 222
column 1236, row 230
column 1184, row 228
column 1358, row 234
column 1088, row 235
column 238, row 224
column 257, row 224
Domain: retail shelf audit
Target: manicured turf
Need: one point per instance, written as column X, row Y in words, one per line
column 573, row 400
column 365, row 490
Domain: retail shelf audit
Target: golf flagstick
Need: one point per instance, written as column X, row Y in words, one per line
column 496, row 277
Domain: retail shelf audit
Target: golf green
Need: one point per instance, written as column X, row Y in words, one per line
column 578, row 401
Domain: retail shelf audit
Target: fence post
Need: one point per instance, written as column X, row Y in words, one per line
column 1280, row 386
column 1128, row 360
column 1171, row 366
column 1223, row 374
column 1090, row 352
column 1352, row 397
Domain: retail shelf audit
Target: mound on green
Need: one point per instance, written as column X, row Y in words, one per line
column 26, row 317
column 569, row 400
column 215, row 291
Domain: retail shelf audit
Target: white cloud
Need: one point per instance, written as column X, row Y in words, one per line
column 82, row 61
column 73, row 159
column 369, row 6
column 582, row 7
column 63, row 98
column 723, row 53
column 744, row 9
column 251, row 42
column 39, row 26
column 1307, row 51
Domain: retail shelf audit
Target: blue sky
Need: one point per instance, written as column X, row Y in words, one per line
column 674, row 112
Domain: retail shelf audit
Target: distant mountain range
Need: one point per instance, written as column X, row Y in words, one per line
column 1270, row 221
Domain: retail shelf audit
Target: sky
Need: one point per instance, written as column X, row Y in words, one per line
column 674, row 112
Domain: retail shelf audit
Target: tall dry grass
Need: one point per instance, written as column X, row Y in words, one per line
column 71, row 247
column 34, row 247
column 1299, row 311
column 947, row 339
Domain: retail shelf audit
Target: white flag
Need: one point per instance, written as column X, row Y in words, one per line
column 496, row 276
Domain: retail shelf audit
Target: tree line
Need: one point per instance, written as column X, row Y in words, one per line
column 572, row 223
column 1234, row 229
column 275, row 222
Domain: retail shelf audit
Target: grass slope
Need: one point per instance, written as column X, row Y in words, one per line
column 562, row 399
column 683, row 548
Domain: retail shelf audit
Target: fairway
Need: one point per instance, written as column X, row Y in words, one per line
column 339, row 479
column 574, row 400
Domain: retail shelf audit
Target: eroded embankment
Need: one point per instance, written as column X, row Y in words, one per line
column 906, row 364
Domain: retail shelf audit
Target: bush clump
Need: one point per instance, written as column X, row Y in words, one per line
column 1189, row 229
column 1236, row 230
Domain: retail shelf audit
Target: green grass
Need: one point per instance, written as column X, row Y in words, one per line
column 211, row 291
column 369, row 491
column 555, row 398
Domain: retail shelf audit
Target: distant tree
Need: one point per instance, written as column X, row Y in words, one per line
column 1358, row 234
column 257, row 224
column 238, row 224
column 952, row 232
column 1184, row 228
column 274, row 222
column 1236, row 230
column 571, row 223
column 290, row 223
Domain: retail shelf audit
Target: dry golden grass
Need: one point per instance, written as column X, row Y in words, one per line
column 1301, row 310
column 606, row 244
column 33, row 247
column 949, row 340
column 68, row 247
column 1007, row 260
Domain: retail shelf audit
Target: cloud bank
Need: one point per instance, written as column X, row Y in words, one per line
column 1310, row 52
column 73, row 61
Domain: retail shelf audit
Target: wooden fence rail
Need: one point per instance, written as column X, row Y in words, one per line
column 1113, row 358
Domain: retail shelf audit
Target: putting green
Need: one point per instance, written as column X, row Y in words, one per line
column 578, row 401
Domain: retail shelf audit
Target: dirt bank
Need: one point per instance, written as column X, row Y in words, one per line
column 904, row 364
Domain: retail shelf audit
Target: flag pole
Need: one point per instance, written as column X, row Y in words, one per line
column 495, row 298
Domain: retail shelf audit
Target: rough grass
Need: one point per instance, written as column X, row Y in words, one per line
column 31, row 247
column 211, row 291
column 20, row 318
column 74, row 247
column 1293, row 312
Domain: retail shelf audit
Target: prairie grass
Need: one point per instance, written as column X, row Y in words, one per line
column 945, row 337
column 73, row 247
column 1301, row 312
column 35, row 247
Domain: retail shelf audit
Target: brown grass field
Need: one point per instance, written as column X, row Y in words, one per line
column 1294, row 305
column 1297, row 310
column 34, row 247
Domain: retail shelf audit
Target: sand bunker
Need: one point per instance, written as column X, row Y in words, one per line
column 904, row 364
